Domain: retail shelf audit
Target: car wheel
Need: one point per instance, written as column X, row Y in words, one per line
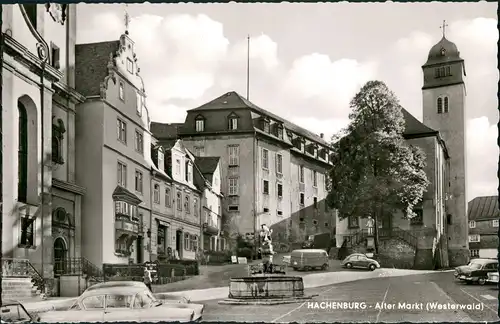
column 481, row 281
column 372, row 267
column 295, row 269
column 348, row 265
column 325, row 266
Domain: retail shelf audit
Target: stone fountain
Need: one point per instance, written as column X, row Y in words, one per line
column 267, row 283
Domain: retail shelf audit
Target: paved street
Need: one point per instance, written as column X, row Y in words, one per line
column 439, row 288
column 218, row 276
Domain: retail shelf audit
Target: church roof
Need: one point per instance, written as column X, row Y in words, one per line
column 413, row 126
column 483, row 208
column 443, row 52
column 234, row 101
column 91, row 65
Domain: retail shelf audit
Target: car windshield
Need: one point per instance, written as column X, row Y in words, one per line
column 119, row 300
column 14, row 313
column 475, row 265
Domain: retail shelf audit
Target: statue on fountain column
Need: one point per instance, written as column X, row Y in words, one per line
column 267, row 248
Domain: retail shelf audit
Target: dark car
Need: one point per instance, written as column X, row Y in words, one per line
column 359, row 260
column 476, row 271
column 14, row 312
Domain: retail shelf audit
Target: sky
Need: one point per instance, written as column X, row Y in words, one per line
column 307, row 61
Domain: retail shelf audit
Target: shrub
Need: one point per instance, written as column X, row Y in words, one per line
column 245, row 252
column 191, row 266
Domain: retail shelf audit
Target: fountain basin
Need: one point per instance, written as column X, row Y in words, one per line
column 265, row 289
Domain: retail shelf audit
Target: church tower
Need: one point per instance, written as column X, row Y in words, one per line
column 444, row 110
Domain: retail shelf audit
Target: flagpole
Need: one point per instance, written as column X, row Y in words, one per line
column 1, row 148
column 248, row 67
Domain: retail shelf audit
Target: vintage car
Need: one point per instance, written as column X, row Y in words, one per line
column 14, row 312
column 359, row 260
column 120, row 304
column 176, row 301
column 476, row 271
column 492, row 277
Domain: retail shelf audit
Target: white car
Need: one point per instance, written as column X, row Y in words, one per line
column 175, row 301
column 131, row 303
column 492, row 277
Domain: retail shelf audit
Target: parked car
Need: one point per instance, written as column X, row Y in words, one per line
column 120, row 304
column 359, row 260
column 492, row 277
column 476, row 271
column 14, row 312
column 165, row 298
column 307, row 259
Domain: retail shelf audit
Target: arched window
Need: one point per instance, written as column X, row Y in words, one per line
column 441, row 71
column 448, row 70
column 446, row 105
column 22, row 187
column 440, row 105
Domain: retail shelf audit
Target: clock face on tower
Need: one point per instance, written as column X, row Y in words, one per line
column 443, row 51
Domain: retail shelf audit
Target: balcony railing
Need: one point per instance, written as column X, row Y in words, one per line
column 77, row 266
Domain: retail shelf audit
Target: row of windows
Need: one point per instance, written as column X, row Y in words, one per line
column 266, row 127
column 442, row 71
column 353, row 221
column 139, row 186
column 191, row 241
column 121, row 132
column 493, row 223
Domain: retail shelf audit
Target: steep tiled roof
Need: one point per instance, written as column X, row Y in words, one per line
column 207, row 164
column 167, row 144
column 483, row 208
column 165, row 131
column 91, row 61
column 233, row 100
column 413, row 126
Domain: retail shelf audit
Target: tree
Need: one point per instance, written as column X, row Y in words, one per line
column 375, row 171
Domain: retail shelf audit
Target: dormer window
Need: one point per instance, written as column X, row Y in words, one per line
column 200, row 124
column 266, row 126
column 279, row 131
column 322, row 153
column 161, row 158
column 310, row 149
column 130, row 66
column 233, row 123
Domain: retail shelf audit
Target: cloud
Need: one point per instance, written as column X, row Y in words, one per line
column 327, row 127
column 482, row 157
column 187, row 60
column 334, row 84
column 263, row 50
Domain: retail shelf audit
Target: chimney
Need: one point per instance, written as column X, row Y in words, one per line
column 321, row 135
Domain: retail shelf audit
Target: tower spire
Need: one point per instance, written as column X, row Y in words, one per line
column 443, row 27
column 126, row 19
